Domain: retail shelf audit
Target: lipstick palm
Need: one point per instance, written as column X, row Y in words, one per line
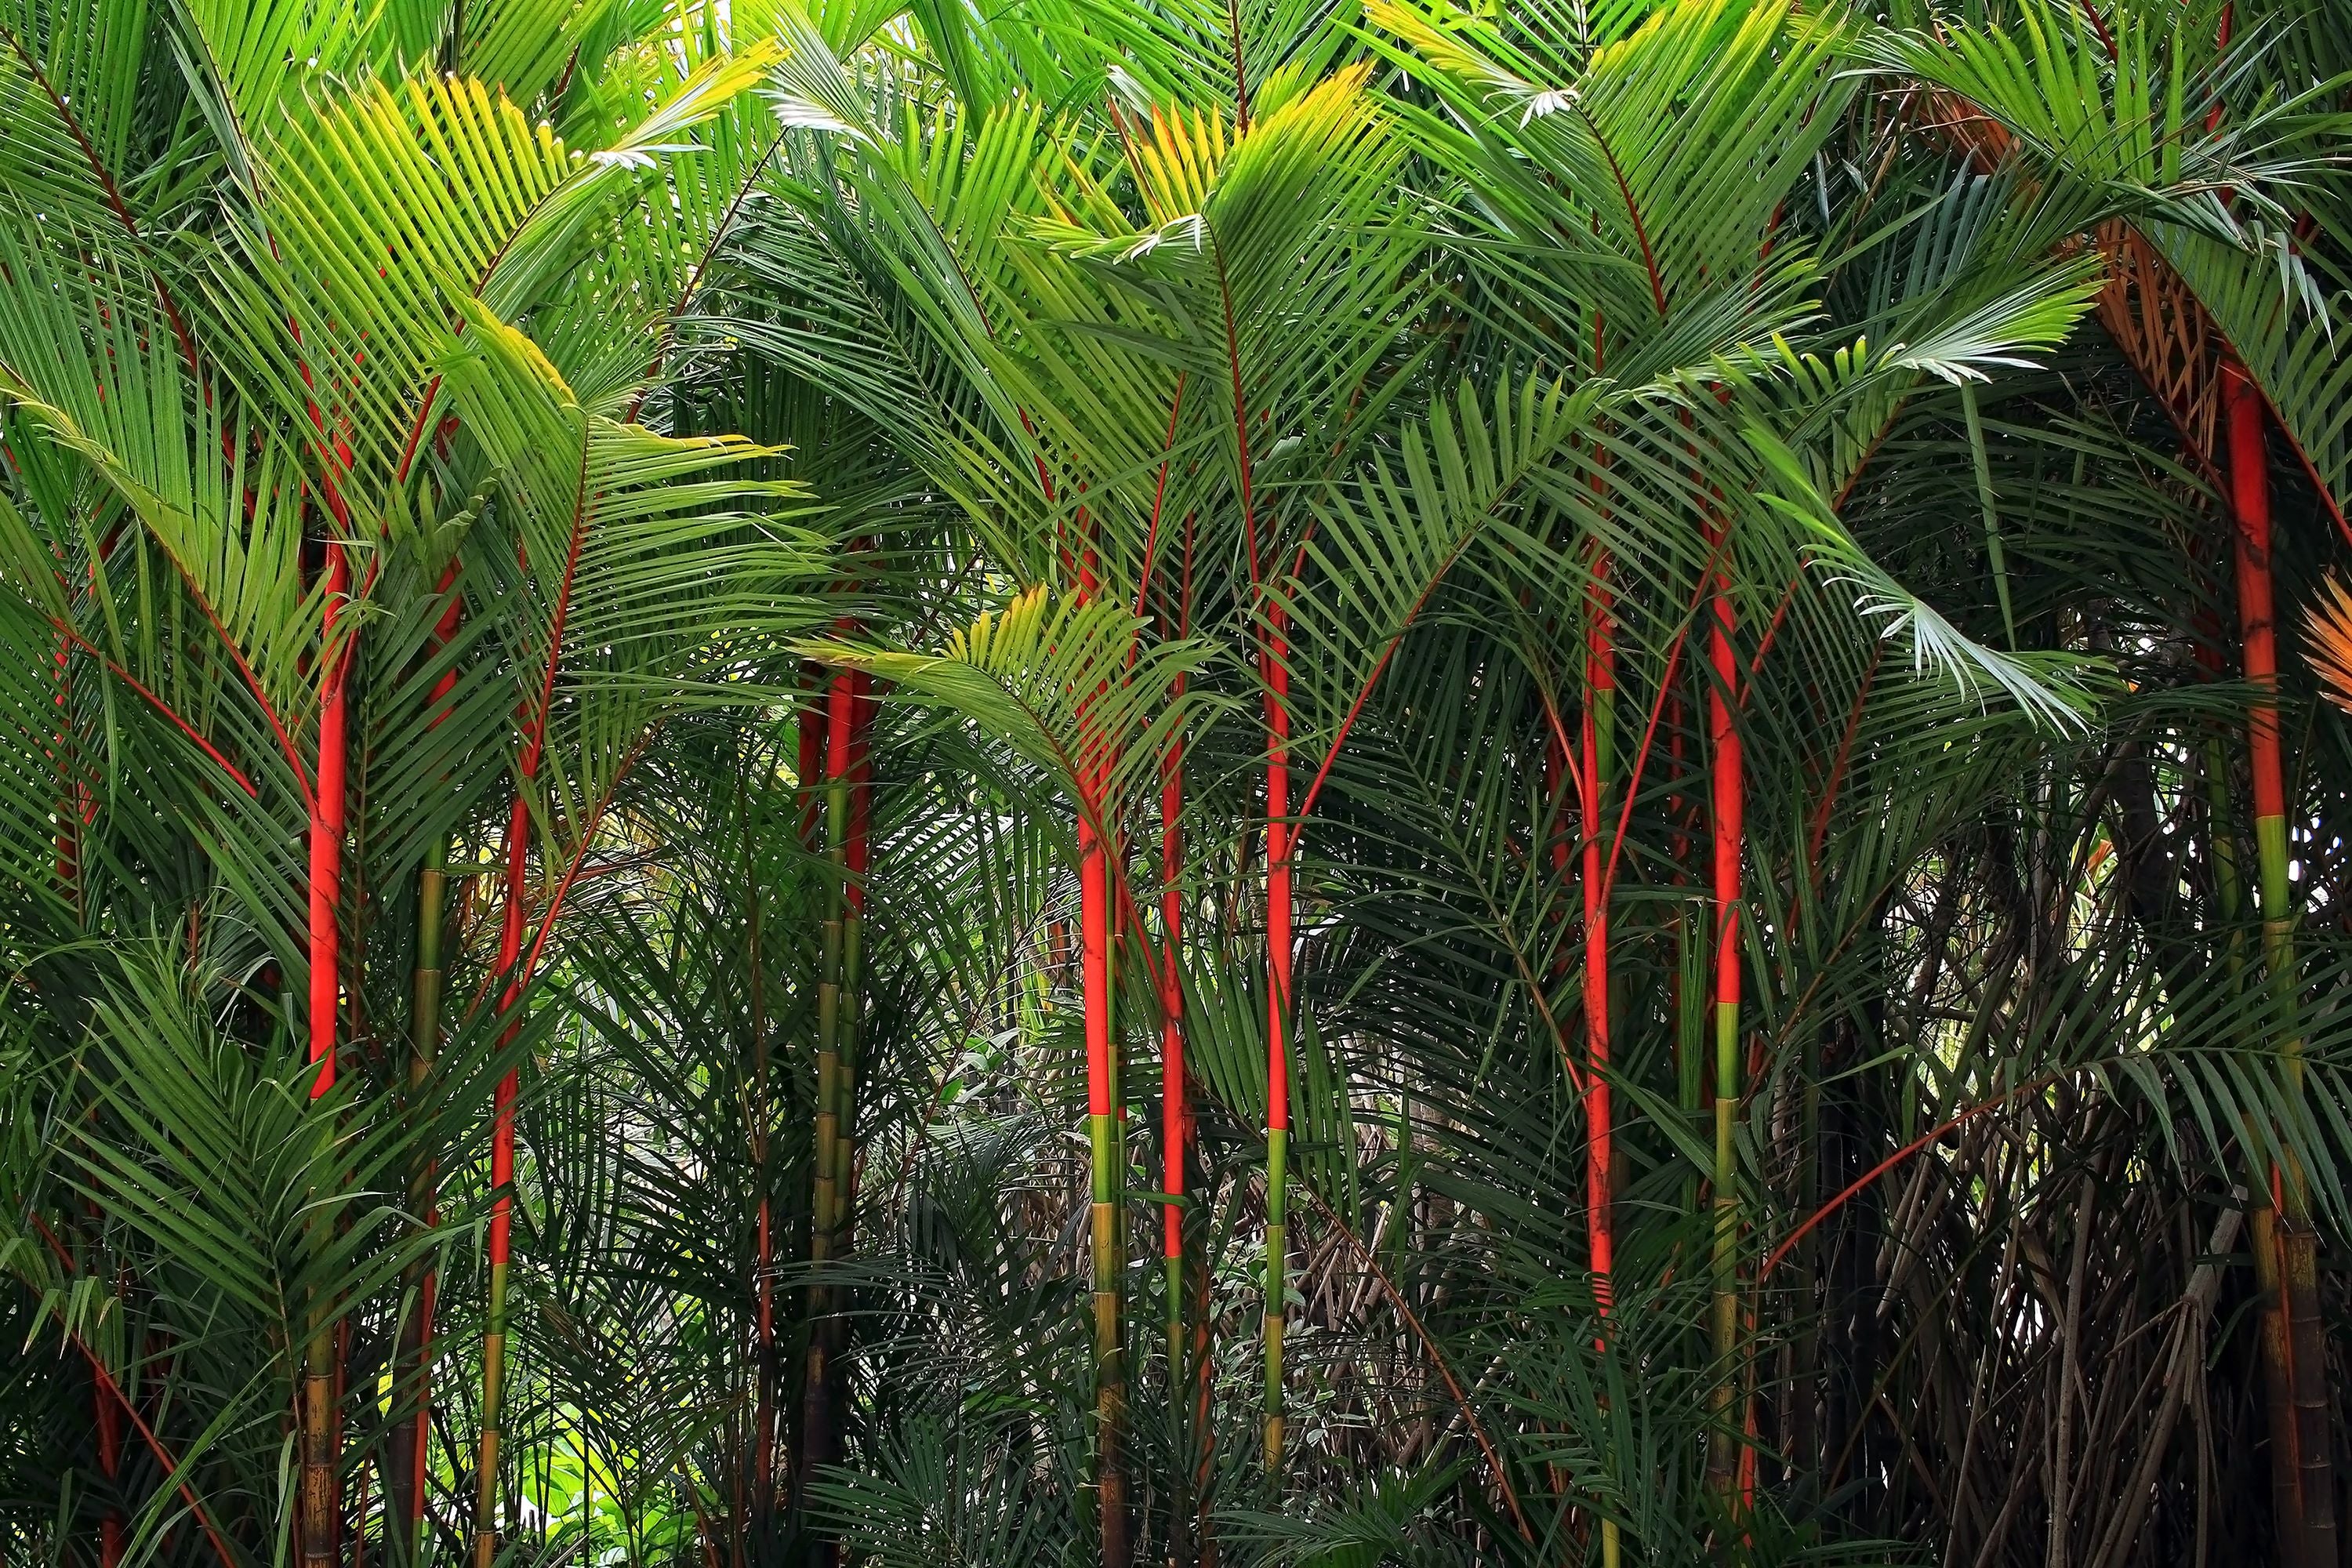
column 300, row 413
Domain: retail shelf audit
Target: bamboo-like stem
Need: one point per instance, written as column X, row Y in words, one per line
column 1729, row 797
column 819, row 1434
column 2294, row 1349
column 317, row 1402
column 856, row 858
column 405, row 1467
column 494, row 1339
column 763, row 1351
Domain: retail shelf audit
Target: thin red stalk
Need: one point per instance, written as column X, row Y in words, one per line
column 1241, row 420
column 509, row 965
column 1780, row 614
column 109, row 1388
column 1364, row 693
column 114, row 201
column 253, row 685
column 1650, row 729
column 1818, row 831
column 1633, row 210
column 2099, row 26
column 1860, row 1184
column 1159, row 496
column 157, row 703
column 1412, row 1320
column 1241, row 73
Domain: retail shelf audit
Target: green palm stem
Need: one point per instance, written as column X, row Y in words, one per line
column 817, row 1425
column 1598, row 739
column 405, row 1466
column 856, row 860
column 763, row 1358
column 2294, row 1348
column 1279, row 832
column 319, row 1404
column 502, row 1140
column 1729, row 798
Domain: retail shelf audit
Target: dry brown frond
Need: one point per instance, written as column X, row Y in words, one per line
column 2328, row 641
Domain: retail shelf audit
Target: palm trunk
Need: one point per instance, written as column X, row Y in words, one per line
column 853, row 968
column 1729, row 829
column 820, row 1440
column 1277, row 1009
column 1600, row 720
column 318, row 1403
column 2294, row 1349
column 327, row 835
column 405, row 1466
column 1175, row 1107
column 764, row 1349
column 1108, row 1160
column 494, row 1340
column 1599, row 1149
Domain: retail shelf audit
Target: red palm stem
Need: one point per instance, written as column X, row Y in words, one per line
column 326, row 832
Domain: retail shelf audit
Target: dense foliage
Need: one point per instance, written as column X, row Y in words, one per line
column 1184, row 781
